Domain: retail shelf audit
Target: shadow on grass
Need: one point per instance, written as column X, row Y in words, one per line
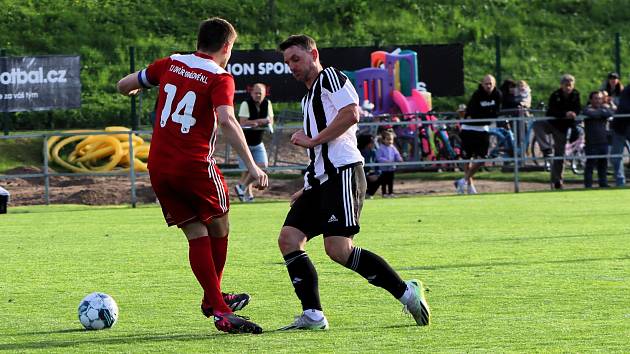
column 67, row 330
column 85, row 337
column 515, row 263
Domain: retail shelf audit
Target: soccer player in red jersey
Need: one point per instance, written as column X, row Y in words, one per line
column 195, row 97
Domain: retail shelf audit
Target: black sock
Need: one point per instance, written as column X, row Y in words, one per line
column 376, row 270
column 304, row 278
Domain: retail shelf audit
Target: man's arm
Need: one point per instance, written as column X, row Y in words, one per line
column 129, row 85
column 235, row 137
column 346, row 117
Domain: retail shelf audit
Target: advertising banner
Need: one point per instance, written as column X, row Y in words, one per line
column 39, row 83
column 440, row 67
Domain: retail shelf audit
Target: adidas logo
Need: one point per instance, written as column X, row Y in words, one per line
column 296, row 280
column 333, row 218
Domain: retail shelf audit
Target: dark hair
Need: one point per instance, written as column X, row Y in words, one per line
column 506, row 86
column 593, row 93
column 364, row 140
column 301, row 40
column 213, row 34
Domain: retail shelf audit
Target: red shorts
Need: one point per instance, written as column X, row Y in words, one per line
column 186, row 199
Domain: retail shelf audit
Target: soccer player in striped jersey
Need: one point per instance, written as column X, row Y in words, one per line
column 195, row 97
column 334, row 189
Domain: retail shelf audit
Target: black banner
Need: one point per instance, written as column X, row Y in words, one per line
column 39, row 83
column 441, row 68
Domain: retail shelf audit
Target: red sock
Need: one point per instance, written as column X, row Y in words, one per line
column 202, row 264
column 219, row 254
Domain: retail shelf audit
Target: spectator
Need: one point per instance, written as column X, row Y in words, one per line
column 367, row 147
column 509, row 108
column 366, row 116
column 484, row 103
column 256, row 117
column 564, row 106
column 509, row 103
column 621, row 132
column 608, row 101
column 524, row 103
column 387, row 152
column 613, row 87
column 523, row 95
column 596, row 138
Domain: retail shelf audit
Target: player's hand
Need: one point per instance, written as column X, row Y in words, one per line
column 261, row 181
column 135, row 92
column 301, row 139
column 295, row 196
column 571, row 115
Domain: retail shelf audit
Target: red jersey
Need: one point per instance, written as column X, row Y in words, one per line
column 184, row 132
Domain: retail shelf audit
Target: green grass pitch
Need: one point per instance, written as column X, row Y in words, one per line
column 531, row 272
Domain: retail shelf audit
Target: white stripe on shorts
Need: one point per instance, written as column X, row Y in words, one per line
column 348, row 205
column 214, row 176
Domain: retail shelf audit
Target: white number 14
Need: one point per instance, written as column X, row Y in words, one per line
column 187, row 103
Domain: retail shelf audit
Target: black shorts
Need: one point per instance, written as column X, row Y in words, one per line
column 333, row 208
column 474, row 143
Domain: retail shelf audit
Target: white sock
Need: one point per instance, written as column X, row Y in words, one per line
column 406, row 296
column 315, row 315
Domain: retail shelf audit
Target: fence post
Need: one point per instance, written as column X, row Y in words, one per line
column 618, row 53
column 5, row 115
column 132, row 68
column 515, row 152
column 46, row 176
column 497, row 44
column 132, row 170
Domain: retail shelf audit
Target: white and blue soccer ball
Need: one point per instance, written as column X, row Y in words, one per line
column 98, row 311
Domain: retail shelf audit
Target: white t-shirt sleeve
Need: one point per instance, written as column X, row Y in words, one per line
column 339, row 88
column 244, row 110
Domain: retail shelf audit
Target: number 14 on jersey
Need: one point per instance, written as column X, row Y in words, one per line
column 187, row 103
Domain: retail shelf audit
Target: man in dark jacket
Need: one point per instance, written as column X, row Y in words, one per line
column 564, row 106
column 621, row 132
column 484, row 103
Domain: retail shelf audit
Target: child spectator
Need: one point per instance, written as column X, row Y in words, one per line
column 367, row 146
column 387, row 152
column 608, row 101
column 596, row 136
column 524, row 96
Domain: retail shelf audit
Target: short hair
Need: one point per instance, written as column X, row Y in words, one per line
column 301, row 40
column 567, row 78
column 593, row 93
column 260, row 84
column 494, row 81
column 213, row 34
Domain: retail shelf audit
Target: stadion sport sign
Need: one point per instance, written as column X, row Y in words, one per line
column 39, row 83
column 441, row 68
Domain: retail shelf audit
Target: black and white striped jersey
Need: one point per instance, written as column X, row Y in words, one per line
column 331, row 91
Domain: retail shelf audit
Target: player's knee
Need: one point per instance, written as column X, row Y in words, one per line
column 287, row 242
column 337, row 254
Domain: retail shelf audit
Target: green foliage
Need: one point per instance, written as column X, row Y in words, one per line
column 20, row 152
column 510, row 273
column 540, row 40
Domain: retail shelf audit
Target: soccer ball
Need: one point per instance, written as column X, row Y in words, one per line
column 98, row 311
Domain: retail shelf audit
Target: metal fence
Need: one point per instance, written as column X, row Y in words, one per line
column 517, row 161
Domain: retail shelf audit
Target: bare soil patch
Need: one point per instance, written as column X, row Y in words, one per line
column 117, row 189
column 112, row 190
